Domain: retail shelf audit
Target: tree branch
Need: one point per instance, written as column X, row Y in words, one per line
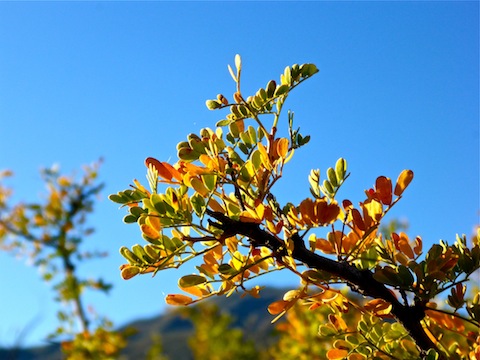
column 361, row 281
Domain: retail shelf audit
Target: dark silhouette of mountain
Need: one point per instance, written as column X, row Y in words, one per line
column 248, row 313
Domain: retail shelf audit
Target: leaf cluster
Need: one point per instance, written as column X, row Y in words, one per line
column 217, row 204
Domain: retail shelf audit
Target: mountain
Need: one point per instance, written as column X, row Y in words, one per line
column 248, row 313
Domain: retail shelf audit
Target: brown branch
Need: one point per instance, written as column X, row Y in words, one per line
column 361, row 281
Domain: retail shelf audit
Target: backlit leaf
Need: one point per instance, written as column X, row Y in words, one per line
column 334, row 354
column 178, row 299
column 403, row 181
column 383, row 188
column 191, row 280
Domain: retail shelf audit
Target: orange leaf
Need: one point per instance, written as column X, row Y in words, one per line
column 358, row 220
column 178, row 299
column 325, row 212
column 324, row 246
column 334, row 354
column 379, row 307
column 403, row 245
column 129, row 272
column 307, row 211
column 149, row 231
column 159, row 166
column 418, row 245
column 278, row 306
column 175, row 173
column 215, row 206
column 282, row 147
column 154, row 222
column 403, row 181
column 383, row 187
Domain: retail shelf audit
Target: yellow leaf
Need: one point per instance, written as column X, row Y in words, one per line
column 178, row 299
column 372, row 212
column 403, row 181
column 282, row 147
column 198, row 290
column 199, row 186
column 264, row 156
column 338, row 322
column 154, row 222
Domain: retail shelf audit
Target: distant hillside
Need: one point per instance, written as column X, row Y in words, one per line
column 249, row 314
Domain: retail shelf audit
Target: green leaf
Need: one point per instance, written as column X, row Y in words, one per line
column 405, row 275
column 210, row 181
column 223, row 122
column 198, row 203
column 118, row 198
column 188, row 154
column 332, row 177
column 341, row 169
column 271, row 86
column 191, row 280
column 282, row 89
column 130, row 219
column 226, row 269
column 212, row 104
column 256, row 159
column 252, row 133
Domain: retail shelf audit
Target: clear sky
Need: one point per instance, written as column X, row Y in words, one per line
column 397, row 88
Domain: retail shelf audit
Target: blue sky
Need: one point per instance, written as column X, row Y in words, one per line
column 397, row 88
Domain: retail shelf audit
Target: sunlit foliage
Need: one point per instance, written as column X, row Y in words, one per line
column 215, row 338
column 217, row 205
column 50, row 233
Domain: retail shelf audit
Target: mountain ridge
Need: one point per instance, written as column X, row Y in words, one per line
column 248, row 313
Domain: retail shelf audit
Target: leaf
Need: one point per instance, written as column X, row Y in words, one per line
column 332, row 177
column 215, row 206
column 358, row 220
column 149, row 231
column 162, row 170
column 209, row 181
column 129, row 272
column 282, row 89
column 379, row 307
column 191, row 280
column 226, row 269
column 341, row 169
column 278, row 306
column 230, row 70
column 199, row 187
column 402, row 244
column 403, row 181
column 334, row 354
column 238, row 63
column 178, row 299
column 282, row 147
column 383, row 188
